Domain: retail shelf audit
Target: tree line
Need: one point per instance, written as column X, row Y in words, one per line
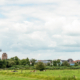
column 30, row 62
column 13, row 61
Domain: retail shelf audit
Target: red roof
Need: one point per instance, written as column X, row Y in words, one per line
column 77, row 61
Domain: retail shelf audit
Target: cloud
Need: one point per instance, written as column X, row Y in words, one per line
column 44, row 27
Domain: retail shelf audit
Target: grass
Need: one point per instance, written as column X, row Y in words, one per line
column 6, row 77
column 47, row 75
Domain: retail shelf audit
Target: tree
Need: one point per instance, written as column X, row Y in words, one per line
column 54, row 63
column 48, row 64
column 33, row 61
column 27, row 61
column 11, row 63
column 76, row 64
column 16, row 60
column 40, row 66
column 4, row 63
column 23, row 62
column 65, row 63
column 1, row 63
column 58, row 62
column 79, row 63
column 12, row 58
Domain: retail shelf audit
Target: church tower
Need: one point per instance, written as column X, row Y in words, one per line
column 4, row 56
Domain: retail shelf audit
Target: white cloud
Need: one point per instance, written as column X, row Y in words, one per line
column 40, row 27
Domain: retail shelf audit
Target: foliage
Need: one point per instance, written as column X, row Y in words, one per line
column 48, row 64
column 54, row 63
column 58, row 62
column 23, row 62
column 11, row 63
column 3, row 63
column 32, row 61
column 40, row 66
column 16, row 59
column 65, row 63
column 76, row 64
column 27, row 61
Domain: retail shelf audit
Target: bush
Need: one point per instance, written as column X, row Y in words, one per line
column 48, row 64
column 40, row 66
column 76, row 64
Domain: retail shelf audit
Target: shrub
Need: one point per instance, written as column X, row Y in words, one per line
column 76, row 64
column 40, row 66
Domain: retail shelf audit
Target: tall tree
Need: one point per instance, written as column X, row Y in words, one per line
column 16, row 60
column 33, row 61
column 54, row 63
column 27, row 61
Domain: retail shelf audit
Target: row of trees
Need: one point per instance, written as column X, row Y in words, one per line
column 16, row 61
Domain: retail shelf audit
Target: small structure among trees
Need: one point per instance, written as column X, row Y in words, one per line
column 4, row 56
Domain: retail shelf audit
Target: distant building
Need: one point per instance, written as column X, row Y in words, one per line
column 62, row 61
column 44, row 61
column 77, row 61
column 4, row 56
column 71, row 62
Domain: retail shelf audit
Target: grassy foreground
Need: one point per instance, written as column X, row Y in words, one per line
column 42, row 75
column 7, row 77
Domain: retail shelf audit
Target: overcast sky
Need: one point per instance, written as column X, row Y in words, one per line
column 40, row 29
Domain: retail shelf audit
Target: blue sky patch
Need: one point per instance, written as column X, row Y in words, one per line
column 2, row 16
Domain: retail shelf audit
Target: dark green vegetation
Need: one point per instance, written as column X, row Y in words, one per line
column 40, row 66
column 13, row 61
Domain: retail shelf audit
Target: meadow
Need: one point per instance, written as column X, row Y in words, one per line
column 41, row 75
column 7, row 77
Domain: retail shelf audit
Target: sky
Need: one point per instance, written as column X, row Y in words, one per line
column 40, row 29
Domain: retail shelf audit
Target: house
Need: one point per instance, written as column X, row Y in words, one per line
column 44, row 61
column 61, row 61
column 71, row 62
column 77, row 61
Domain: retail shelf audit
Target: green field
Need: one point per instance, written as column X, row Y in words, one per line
column 6, row 77
column 40, row 75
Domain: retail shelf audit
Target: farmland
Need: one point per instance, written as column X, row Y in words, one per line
column 42, row 75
